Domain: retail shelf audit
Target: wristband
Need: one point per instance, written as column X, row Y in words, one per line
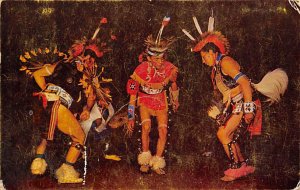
column 249, row 107
column 130, row 112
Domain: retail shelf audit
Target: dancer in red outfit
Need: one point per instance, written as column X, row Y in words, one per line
column 148, row 87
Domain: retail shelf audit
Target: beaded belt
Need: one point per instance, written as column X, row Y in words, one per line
column 65, row 97
column 148, row 90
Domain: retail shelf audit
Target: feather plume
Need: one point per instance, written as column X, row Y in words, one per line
column 197, row 25
column 157, row 41
column 211, row 21
column 273, row 85
column 188, row 35
column 166, row 21
column 96, row 32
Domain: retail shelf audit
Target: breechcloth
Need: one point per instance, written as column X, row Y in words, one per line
column 235, row 108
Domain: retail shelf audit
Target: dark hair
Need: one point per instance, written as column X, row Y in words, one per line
column 211, row 46
column 91, row 53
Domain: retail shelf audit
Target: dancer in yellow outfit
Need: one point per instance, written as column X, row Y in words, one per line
column 57, row 98
column 62, row 100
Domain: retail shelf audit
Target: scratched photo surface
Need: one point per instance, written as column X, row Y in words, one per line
column 263, row 36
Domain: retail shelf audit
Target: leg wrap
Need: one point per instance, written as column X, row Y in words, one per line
column 233, row 164
column 38, row 166
column 237, row 169
column 241, row 130
column 144, row 158
column 67, row 174
column 157, row 162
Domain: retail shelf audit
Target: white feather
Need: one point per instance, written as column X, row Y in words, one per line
column 188, row 35
column 96, row 32
column 197, row 25
column 210, row 27
column 273, row 85
column 157, row 41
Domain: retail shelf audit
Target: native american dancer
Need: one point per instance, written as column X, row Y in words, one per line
column 241, row 106
column 58, row 99
column 62, row 100
column 98, row 110
column 85, row 54
column 148, row 86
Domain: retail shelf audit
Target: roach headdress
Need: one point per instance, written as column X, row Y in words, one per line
column 80, row 46
column 210, row 36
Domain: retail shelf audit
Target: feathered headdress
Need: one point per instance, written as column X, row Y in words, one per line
column 37, row 58
column 159, row 46
column 92, row 78
column 210, row 36
column 80, row 46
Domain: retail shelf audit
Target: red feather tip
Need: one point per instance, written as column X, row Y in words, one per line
column 103, row 20
column 166, row 21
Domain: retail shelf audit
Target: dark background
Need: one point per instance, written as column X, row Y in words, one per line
column 264, row 35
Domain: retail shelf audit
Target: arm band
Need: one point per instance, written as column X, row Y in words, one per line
column 249, row 107
column 130, row 112
column 239, row 75
column 132, row 87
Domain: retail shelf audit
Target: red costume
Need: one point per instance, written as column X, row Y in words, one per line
column 147, row 87
column 151, row 89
